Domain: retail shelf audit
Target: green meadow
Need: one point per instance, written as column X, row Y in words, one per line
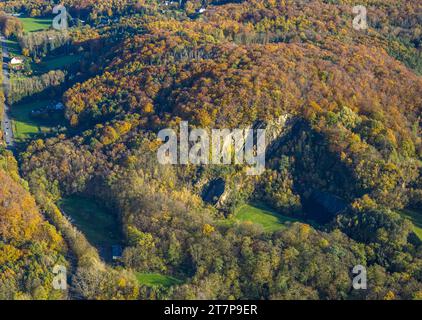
column 156, row 279
column 55, row 63
column 13, row 47
column 270, row 220
column 24, row 126
column 31, row 24
column 416, row 218
column 100, row 226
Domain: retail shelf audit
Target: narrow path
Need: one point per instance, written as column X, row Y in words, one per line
column 6, row 123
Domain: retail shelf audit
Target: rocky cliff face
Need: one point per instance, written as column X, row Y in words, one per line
column 277, row 130
column 224, row 192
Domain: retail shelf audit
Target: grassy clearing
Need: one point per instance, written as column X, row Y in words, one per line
column 36, row 24
column 13, row 47
column 55, row 63
column 270, row 220
column 24, row 126
column 100, row 226
column 61, row 61
column 156, row 279
column 416, row 218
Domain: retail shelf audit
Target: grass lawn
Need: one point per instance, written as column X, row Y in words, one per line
column 416, row 218
column 55, row 63
column 268, row 219
column 61, row 61
column 100, row 226
column 25, row 127
column 156, row 279
column 36, row 24
column 13, row 47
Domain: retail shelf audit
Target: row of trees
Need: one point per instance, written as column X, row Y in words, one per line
column 21, row 88
column 39, row 44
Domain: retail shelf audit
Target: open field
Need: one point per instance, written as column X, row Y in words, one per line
column 26, row 127
column 156, row 279
column 416, row 218
column 60, row 61
column 55, row 63
column 13, row 47
column 270, row 220
column 36, row 24
column 99, row 225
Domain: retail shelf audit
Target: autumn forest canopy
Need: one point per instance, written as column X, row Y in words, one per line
column 342, row 184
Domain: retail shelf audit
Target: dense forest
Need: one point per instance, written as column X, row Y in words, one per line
column 342, row 109
column 29, row 246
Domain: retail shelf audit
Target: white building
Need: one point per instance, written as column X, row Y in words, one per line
column 16, row 61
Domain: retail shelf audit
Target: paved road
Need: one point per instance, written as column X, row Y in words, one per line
column 6, row 123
